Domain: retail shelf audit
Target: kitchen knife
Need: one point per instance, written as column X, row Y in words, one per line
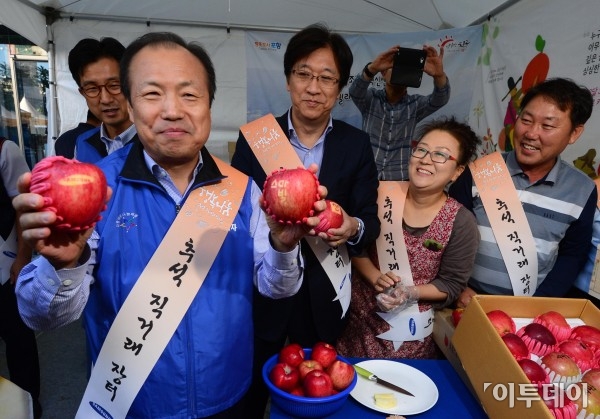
column 372, row 377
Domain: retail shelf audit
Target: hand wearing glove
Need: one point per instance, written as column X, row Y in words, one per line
column 397, row 298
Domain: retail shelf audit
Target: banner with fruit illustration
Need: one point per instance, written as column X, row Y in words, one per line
column 525, row 45
column 266, row 84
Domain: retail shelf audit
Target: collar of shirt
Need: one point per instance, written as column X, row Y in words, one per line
column 119, row 141
column 514, row 169
column 309, row 155
column 165, row 180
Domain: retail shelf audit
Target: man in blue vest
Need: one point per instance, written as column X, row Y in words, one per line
column 94, row 65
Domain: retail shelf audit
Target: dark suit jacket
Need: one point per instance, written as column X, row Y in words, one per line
column 348, row 171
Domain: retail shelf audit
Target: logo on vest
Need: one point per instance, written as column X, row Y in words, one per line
column 412, row 326
column 127, row 220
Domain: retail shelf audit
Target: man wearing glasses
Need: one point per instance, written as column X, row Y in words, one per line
column 317, row 66
column 94, row 66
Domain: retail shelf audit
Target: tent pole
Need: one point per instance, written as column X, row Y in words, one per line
column 53, row 102
column 494, row 12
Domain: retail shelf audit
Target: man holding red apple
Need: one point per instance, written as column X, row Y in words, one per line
column 205, row 366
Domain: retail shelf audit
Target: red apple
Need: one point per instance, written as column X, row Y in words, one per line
column 560, row 368
column 533, row 371
column 298, row 391
column 587, row 334
column 592, row 377
column 538, row 338
column 341, row 374
column 317, row 384
column 456, row 315
column 331, row 217
column 556, row 323
column 75, row 191
column 307, row 366
column 290, row 195
column 284, row 376
column 581, row 353
column 292, row 354
column 325, row 353
column 516, row 346
column 588, row 400
column 502, row 322
column 558, row 402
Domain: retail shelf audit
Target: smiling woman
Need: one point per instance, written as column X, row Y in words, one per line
column 440, row 257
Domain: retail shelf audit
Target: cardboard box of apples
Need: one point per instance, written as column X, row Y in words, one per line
column 528, row 357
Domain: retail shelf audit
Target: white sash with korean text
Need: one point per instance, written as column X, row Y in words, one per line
column 161, row 296
column 273, row 151
column 410, row 323
column 508, row 221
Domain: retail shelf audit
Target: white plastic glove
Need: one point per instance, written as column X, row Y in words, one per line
column 397, row 298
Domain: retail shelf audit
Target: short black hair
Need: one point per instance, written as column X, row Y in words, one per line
column 468, row 141
column 312, row 38
column 169, row 40
column 89, row 50
column 567, row 95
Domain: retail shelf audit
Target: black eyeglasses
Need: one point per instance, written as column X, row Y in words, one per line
column 306, row 77
column 92, row 91
column 436, row 156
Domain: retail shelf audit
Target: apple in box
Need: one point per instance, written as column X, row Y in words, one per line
column 74, row 191
column 290, row 195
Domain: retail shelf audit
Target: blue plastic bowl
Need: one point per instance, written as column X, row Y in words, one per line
column 305, row 407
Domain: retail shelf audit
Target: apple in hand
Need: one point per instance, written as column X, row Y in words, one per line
column 341, row 374
column 317, row 383
column 292, row 354
column 290, row 195
column 331, row 217
column 325, row 353
column 307, row 366
column 284, row 376
column 74, row 191
column 501, row 321
column 456, row 315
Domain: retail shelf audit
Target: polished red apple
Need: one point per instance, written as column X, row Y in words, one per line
column 580, row 351
column 75, row 191
column 516, row 346
column 331, row 217
column 538, row 338
column 325, row 353
column 292, row 354
column 284, row 376
column 290, row 195
column 501, row 321
column 341, row 374
column 457, row 315
column 533, row 371
column 317, row 384
column 307, row 366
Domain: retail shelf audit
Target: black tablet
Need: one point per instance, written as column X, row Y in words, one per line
column 408, row 67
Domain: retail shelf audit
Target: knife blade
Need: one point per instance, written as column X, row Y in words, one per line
column 372, row 377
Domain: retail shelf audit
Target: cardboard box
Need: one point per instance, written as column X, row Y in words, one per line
column 443, row 330
column 489, row 365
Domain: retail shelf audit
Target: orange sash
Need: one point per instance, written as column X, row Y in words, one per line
column 154, row 307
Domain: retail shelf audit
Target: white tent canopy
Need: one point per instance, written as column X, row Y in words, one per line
column 27, row 17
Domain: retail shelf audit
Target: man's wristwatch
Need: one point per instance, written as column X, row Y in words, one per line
column 359, row 232
column 367, row 72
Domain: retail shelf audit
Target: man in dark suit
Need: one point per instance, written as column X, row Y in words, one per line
column 317, row 66
column 65, row 143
